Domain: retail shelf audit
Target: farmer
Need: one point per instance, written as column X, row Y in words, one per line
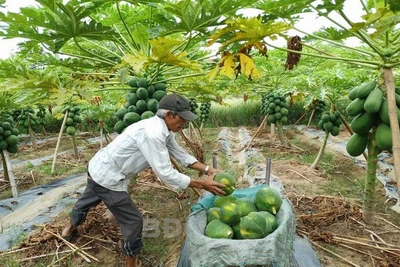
column 145, row 143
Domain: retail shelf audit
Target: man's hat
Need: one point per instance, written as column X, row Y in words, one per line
column 178, row 104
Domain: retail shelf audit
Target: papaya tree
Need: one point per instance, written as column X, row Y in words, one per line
column 9, row 134
column 71, row 110
column 379, row 51
column 99, row 111
column 8, row 144
column 41, row 114
column 27, row 120
column 274, row 106
column 320, row 85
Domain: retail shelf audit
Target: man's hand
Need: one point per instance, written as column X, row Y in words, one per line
column 213, row 171
column 213, row 187
column 209, row 184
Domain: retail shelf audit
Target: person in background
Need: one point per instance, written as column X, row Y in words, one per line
column 147, row 143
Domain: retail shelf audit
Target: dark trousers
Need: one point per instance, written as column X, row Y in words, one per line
column 121, row 206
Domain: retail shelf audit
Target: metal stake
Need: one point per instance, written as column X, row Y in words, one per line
column 214, row 159
column 268, row 171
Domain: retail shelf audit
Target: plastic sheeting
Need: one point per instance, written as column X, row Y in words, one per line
column 37, row 213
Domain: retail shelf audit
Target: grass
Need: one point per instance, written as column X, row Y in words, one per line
column 244, row 114
column 9, row 262
column 18, row 236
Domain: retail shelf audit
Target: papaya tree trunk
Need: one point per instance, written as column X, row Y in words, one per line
column 214, row 120
column 272, row 129
column 394, row 126
column 302, row 116
column 76, row 154
column 108, row 138
column 369, row 187
column 321, row 152
column 312, row 115
column 280, row 133
column 10, row 173
column 43, row 130
column 257, row 132
column 101, row 123
column 32, row 137
column 190, row 129
column 53, row 165
column 5, row 170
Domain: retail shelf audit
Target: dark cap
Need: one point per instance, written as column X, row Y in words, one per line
column 178, row 104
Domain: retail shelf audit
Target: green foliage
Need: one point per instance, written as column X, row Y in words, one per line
column 232, row 115
column 59, row 23
column 200, row 15
column 283, row 9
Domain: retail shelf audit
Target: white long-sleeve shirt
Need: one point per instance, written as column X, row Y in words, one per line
column 142, row 144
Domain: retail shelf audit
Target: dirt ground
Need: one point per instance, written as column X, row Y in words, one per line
column 326, row 201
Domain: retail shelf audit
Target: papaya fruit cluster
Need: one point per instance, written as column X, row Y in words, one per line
column 27, row 118
column 330, row 122
column 73, row 118
column 193, row 105
column 8, row 134
column 40, row 114
column 141, row 101
column 204, row 111
column 317, row 105
column 369, row 107
column 15, row 114
column 275, row 106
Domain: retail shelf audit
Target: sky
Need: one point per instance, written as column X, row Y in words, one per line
column 309, row 23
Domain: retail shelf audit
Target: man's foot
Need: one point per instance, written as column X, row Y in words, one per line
column 133, row 262
column 69, row 231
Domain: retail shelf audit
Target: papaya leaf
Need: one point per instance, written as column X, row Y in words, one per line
column 54, row 24
column 381, row 20
column 248, row 67
column 135, row 61
column 249, row 29
column 123, row 75
column 226, row 66
column 385, row 23
column 330, row 33
column 357, row 26
column 394, row 5
column 162, row 52
column 200, row 15
column 229, row 66
column 283, row 9
column 330, row 5
column 371, row 18
column 133, row 2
